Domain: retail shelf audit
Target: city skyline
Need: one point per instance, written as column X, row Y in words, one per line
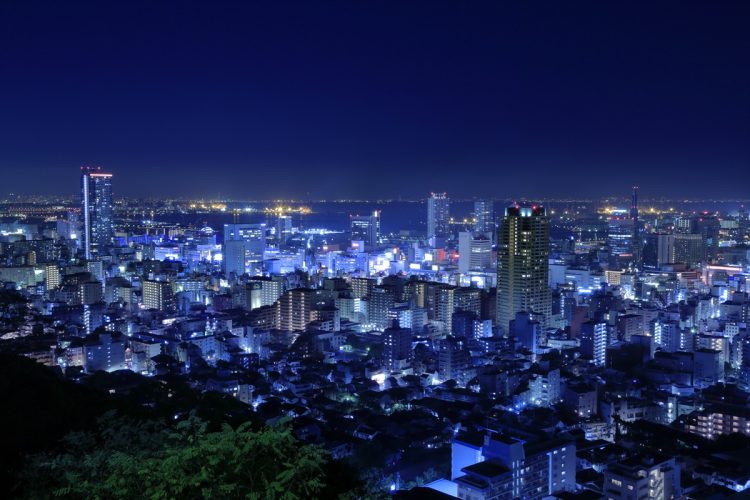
column 619, row 193
column 375, row 250
column 525, row 100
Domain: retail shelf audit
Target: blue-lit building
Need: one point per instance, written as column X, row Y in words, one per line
column 96, row 210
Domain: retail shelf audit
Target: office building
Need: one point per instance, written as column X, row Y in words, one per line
column 283, row 230
column 484, row 218
column 522, row 265
column 689, row 248
column 474, row 252
column 438, row 217
column 96, row 210
column 708, row 227
column 620, row 230
column 658, row 250
column 366, row 229
column 637, row 240
column 244, row 248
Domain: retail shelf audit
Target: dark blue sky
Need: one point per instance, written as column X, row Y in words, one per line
column 369, row 99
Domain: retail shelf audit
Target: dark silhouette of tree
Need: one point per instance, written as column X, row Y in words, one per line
column 126, row 458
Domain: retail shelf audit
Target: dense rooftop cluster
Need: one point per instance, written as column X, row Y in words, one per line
column 540, row 352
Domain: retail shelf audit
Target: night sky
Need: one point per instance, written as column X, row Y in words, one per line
column 377, row 99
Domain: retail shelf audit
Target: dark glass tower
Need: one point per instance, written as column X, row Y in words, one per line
column 522, row 265
column 637, row 231
column 438, row 216
column 96, row 210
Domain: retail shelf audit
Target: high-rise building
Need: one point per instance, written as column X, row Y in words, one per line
column 295, row 309
column 362, row 287
column 96, row 208
column 52, row 277
column 637, row 231
column 689, row 248
column 396, row 347
column 380, row 301
column 244, row 247
column 620, row 230
column 708, row 227
column 158, row 295
column 658, row 250
column 366, row 228
column 283, row 229
column 667, row 335
column 233, row 258
column 453, row 359
column 682, row 225
column 484, row 218
column 270, row 288
column 445, row 306
column 438, row 216
column 522, row 265
column 90, row 292
column 743, row 224
column 474, row 252
column 594, row 341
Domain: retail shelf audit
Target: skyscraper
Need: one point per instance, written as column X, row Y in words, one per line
column 283, row 229
column 743, row 224
column 522, row 265
column 637, row 231
column 620, row 232
column 658, row 249
column 96, row 209
column 708, row 226
column 366, row 228
column 244, row 247
column 484, row 218
column 438, row 215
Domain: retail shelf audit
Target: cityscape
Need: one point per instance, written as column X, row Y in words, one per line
column 378, row 315
column 513, row 351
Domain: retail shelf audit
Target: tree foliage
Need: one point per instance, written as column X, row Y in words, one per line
column 125, row 458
